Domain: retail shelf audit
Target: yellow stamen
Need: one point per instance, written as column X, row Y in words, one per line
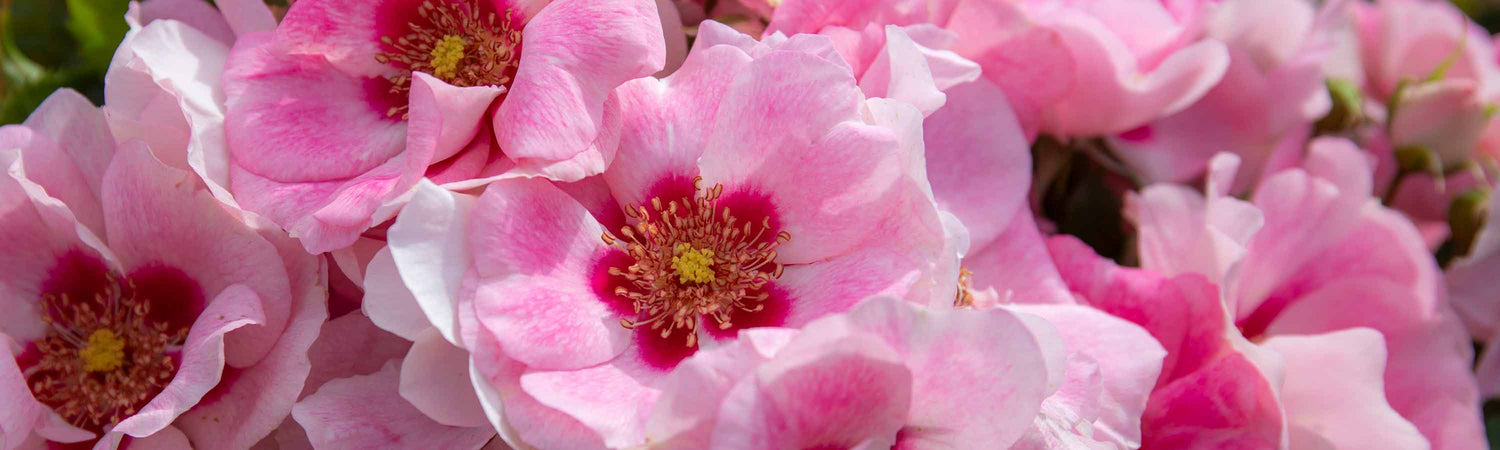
column 693, row 265
column 446, row 55
column 104, row 352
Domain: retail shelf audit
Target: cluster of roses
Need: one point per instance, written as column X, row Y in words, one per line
column 463, row 224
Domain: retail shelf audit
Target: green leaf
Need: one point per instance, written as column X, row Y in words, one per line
column 1348, row 107
column 98, row 26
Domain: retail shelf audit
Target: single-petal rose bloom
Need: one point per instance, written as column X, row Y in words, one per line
column 336, row 114
column 140, row 308
column 752, row 189
column 1326, row 248
column 1068, row 68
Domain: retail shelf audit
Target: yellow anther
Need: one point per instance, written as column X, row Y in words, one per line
column 693, row 265
column 446, row 56
column 104, row 352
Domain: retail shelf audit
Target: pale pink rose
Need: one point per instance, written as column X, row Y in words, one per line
column 1069, row 68
column 888, row 373
column 141, row 309
column 1213, row 391
column 1443, row 66
column 164, row 83
column 528, row 286
column 1271, row 93
column 336, row 114
column 1325, row 258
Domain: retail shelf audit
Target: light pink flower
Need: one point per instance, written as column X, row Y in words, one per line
column 1264, row 106
column 1068, row 68
column 1211, row 391
column 164, row 84
column 348, row 103
column 888, row 373
column 1326, row 257
column 139, row 306
column 1434, row 69
column 532, row 282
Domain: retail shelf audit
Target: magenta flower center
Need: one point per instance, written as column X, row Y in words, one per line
column 102, row 358
column 694, row 260
column 453, row 41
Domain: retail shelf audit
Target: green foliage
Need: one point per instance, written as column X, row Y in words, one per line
column 46, row 45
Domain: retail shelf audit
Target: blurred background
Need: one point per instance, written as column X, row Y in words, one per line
column 51, row 44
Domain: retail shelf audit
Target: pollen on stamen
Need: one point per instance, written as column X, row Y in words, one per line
column 453, row 41
column 965, row 297
column 102, row 358
column 694, row 260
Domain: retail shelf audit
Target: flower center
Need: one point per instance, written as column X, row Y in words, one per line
column 453, row 41
column 104, row 352
column 102, row 358
column 446, row 56
column 694, row 260
column 693, row 265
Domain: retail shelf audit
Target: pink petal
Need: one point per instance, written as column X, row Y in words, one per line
column 203, row 361
column 158, row 218
column 429, row 245
column 345, row 32
column 199, row 16
column 604, row 398
column 830, row 182
column 1334, row 393
column 574, row 53
column 434, row 379
column 1017, row 265
column 45, row 236
column 67, row 145
column 1112, row 93
column 166, row 79
column 444, row 118
column 685, row 414
column 978, row 160
column 247, row 16
column 519, row 417
column 347, row 346
column 23, row 412
column 550, row 323
column 818, row 396
column 562, row 238
column 295, row 118
column 666, row 123
column 389, row 303
column 168, row 438
column 249, row 403
column 1128, row 361
column 366, row 412
column 977, row 377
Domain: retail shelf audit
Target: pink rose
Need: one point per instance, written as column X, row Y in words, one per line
column 1068, row 68
column 140, row 307
column 1313, row 256
column 541, row 294
column 335, row 115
